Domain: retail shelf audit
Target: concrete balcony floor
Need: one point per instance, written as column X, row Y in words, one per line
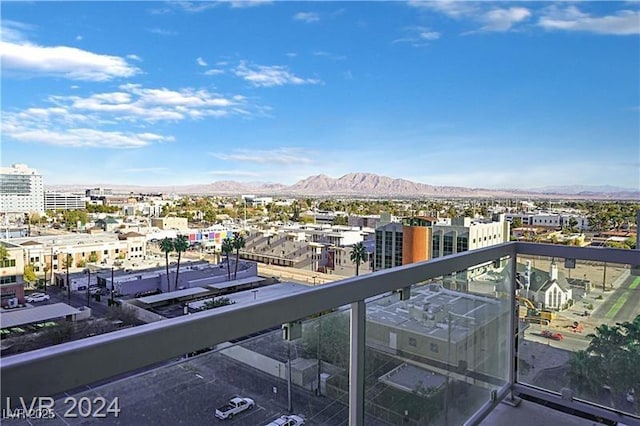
column 529, row 413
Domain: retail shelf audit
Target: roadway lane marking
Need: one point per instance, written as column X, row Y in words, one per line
column 622, row 299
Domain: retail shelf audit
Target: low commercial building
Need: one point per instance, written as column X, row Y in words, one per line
column 64, row 201
column 439, row 327
column 170, row 222
column 11, row 275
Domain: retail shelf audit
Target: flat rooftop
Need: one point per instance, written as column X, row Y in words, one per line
column 463, row 312
column 272, row 291
column 35, row 314
column 408, row 378
column 157, row 298
column 233, row 283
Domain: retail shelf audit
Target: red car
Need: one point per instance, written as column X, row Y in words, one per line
column 551, row 335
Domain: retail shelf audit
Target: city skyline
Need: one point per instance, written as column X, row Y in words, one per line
column 179, row 93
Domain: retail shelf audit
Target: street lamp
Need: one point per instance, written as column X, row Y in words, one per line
column 314, row 280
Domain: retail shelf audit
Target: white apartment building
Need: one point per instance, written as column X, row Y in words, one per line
column 21, row 190
column 465, row 234
column 48, row 251
column 550, row 219
column 64, row 201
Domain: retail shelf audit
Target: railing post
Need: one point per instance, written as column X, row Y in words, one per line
column 513, row 323
column 356, row 363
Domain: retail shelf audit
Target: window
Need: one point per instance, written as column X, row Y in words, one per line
column 8, row 263
column 434, row 347
column 462, row 244
column 435, row 245
column 447, row 245
column 107, row 251
column 412, row 342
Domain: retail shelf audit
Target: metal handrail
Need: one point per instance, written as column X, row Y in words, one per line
column 55, row 369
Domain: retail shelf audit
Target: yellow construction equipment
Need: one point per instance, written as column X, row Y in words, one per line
column 528, row 312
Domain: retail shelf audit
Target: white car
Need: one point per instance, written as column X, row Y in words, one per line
column 37, row 297
column 291, row 420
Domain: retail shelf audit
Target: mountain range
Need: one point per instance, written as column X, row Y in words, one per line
column 365, row 185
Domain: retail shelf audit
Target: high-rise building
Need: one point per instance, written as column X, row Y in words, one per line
column 21, row 190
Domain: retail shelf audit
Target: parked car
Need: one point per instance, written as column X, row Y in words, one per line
column 97, row 290
column 235, row 406
column 291, row 420
column 554, row 335
column 37, row 297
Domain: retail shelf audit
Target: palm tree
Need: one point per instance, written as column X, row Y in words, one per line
column 181, row 244
column 238, row 244
column 358, row 255
column 227, row 247
column 166, row 246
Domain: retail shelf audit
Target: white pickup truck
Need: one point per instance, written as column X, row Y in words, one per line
column 236, row 405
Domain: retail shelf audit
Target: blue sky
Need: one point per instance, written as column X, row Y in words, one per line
column 490, row 94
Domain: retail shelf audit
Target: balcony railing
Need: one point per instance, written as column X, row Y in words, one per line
column 436, row 342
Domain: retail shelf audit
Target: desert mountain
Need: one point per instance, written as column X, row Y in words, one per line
column 360, row 185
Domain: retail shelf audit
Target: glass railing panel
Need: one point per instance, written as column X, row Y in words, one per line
column 189, row 390
column 579, row 330
column 435, row 353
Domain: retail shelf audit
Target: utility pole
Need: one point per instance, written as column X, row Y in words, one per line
column 68, row 283
column 88, row 285
column 112, row 287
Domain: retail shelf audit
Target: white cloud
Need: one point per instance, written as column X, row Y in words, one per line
column 79, row 37
column 214, row 71
column 329, row 55
column 201, row 62
column 249, row 3
column 430, row 35
column 194, row 7
column 504, row 19
column 418, row 36
column 163, row 32
column 494, row 19
column 307, row 17
column 276, row 156
column 269, row 76
column 452, row 8
column 69, row 119
column 68, row 62
column 134, row 57
column 623, row 22
column 291, row 54
column 88, row 138
column 14, row 31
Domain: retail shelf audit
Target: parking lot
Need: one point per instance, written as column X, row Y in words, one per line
column 187, row 393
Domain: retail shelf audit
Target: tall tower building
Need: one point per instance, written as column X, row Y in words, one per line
column 21, row 190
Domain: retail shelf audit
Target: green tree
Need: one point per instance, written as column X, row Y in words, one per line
column 611, row 359
column 166, row 245
column 29, row 274
column 341, row 220
column 216, row 303
column 93, row 257
column 333, row 340
column 4, row 253
column 181, row 244
column 227, row 249
column 516, row 222
column 358, row 255
column 238, row 244
column 573, row 223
